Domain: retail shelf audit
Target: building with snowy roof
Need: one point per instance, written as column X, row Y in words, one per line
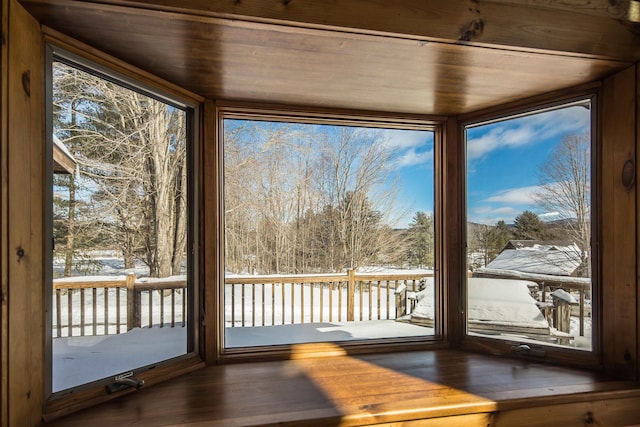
column 539, row 257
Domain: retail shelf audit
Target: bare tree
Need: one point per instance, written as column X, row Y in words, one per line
column 565, row 189
column 302, row 198
column 133, row 149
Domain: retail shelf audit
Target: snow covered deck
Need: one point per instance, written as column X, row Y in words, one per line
column 80, row 360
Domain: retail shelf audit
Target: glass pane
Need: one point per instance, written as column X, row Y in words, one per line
column 329, row 233
column 529, row 227
column 119, row 228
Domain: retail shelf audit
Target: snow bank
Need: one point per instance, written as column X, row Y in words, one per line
column 500, row 301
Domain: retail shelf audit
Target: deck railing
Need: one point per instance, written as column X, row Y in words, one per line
column 294, row 299
column 106, row 307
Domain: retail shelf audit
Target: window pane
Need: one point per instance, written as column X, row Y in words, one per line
column 529, row 227
column 119, row 296
column 329, row 233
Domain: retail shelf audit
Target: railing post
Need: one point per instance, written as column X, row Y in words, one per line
column 133, row 303
column 582, row 311
column 351, row 291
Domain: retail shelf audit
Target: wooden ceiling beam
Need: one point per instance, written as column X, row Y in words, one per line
column 598, row 28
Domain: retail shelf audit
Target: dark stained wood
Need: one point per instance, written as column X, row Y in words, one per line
column 350, row 391
column 596, row 27
column 211, row 232
column 619, row 219
column 4, row 220
column 297, row 65
column 452, row 247
column 637, row 170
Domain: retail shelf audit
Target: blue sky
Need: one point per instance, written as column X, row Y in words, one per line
column 503, row 160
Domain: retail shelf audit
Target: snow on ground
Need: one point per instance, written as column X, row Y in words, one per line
column 321, row 332
column 80, row 360
column 498, row 301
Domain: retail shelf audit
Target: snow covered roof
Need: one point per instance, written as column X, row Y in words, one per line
column 63, row 161
column 538, row 257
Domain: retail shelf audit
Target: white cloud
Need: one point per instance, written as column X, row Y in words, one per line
column 409, row 147
column 406, row 139
column 549, row 216
column 412, row 157
column 515, row 196
column 529, row 130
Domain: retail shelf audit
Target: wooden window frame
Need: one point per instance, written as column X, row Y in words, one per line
column 83, row 58
column 504, row 346
column 249, row 111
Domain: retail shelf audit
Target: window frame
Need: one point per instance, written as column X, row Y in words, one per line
column 278, row 113
column 502, row 346
column 69, row 400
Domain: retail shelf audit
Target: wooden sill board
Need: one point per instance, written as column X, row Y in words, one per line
column 469, row 389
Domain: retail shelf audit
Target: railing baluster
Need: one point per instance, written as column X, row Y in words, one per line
column 378, row 297
column 340, row 284
column 184, row 307
column 233, row 305
column 150, row 292
column 273, row 304
column 95, row 311
column 70, row 312
column 263, row 303
column 253, row 304
column 321, row 288
column 243, row 306
column 58, row 312
column 283, row 301
column 82, row 291
column 161, row 294
column 293, row 304
column 370, row 301
column 302, row 303
column 117, row 310
column 360, row 285
column 330, row 301
column 106, row 310
column 173, row 308
column 389, row 298
column 311, row 291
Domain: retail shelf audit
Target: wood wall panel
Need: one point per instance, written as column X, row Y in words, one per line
column 618, row 234
column 637, row 170
column 4, row 21
column 22, row 219
column 614, row 412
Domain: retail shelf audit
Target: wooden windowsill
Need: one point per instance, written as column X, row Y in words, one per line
column 369, row 389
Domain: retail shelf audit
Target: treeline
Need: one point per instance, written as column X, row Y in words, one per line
column 311, row 199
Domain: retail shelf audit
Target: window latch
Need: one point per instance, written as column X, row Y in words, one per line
column 124, row 383
column 526, row 350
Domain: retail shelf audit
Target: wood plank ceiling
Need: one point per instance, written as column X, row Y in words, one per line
column 405, row 56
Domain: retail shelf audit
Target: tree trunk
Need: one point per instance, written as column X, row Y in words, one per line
column 71, row 225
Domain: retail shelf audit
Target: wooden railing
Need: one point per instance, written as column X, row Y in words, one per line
column 105, row 307
column 294, row 299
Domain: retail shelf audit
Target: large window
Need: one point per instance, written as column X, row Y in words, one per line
column 529, row 228
column 120, row 215
column 330, row 231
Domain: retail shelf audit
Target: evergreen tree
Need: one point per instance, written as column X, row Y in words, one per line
column 421, row 240
column 530, row 227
